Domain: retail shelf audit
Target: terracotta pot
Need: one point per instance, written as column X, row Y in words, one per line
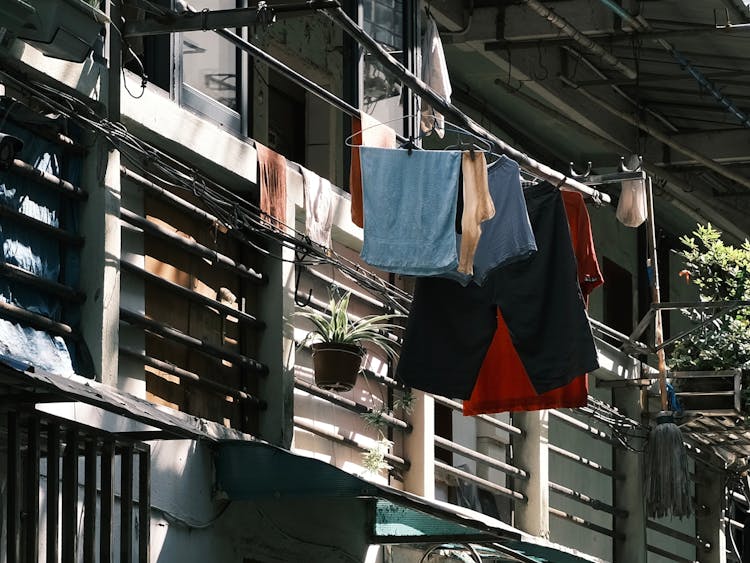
column 336, row 365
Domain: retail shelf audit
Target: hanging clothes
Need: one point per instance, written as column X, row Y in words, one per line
column 448, row 331
column 632, row 209
column 451, row 326
column 272, row 175
column 318, row 207
column 410, row 210
column 367, row 131
column 435, row 75
column 507, row 237
column 503, row 384
column 477, row 208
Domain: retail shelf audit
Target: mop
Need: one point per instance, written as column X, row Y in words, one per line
column 667, row 481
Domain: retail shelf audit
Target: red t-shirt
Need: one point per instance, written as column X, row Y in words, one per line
column 503, row 384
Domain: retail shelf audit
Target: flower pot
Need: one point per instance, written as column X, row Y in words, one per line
column 336, row 365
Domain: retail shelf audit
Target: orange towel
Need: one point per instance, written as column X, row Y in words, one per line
column 368, row 131
column 272, row 178
column 478, row 207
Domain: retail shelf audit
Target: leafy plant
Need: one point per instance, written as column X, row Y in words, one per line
column 338, row 327
column 373, row 459
column 722, row 273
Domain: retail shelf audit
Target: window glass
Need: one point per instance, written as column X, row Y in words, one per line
column 210, row 62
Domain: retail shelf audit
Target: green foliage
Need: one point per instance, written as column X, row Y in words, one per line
column 338, row 327
column 722, row 273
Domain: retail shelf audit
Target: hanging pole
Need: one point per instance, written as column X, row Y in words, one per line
column 340, row 17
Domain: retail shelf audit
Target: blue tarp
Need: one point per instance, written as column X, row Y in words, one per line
column 38, row 253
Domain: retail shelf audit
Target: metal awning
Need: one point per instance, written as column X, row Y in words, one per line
column 255, row 470
column 21, row 383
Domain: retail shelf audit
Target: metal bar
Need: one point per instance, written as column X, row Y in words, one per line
column 695, row 328
column 60, row 234
column 453, row 113
column 175, row 335
column 13, row 479
column 672, row 533
column 58, row 289
column 126, row 504
column 194, row 296
column 216, row 19
column 692, row 31
column 456, row 406
column 643, row 324
column 144, row 505
column 192, row 377
column 14, row 313
column 668, row 554
column 585, row 462
column 31, row 486
column 570, row 421
column 479, row 457
column 191, row 246
column 659, row 135
column 46, row 179
column 596, row 504
column 89, row 501
column 348, row 404
column 585, row 523
column 390, row 458
column 670, row 305
column 479, row 482
column 70, row 497
column 53, row 491
column 106, row 531
column 563, row 25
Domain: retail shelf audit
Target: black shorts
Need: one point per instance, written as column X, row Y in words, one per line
column 450, row 327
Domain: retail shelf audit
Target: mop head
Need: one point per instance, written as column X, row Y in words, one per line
column 667, row 482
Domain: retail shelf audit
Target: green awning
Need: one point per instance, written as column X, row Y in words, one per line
column 257, row 470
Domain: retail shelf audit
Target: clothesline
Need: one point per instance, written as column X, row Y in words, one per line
column 558, row 179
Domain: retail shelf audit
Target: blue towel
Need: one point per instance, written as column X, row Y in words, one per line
column 507, row 237
column 409, row 205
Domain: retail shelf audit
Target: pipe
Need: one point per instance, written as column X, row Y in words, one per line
column 45, row 178
column 160, row 329
column 348, row 404
column 596, row 504
column 660, row 136
column 577, row 424
column 482, row 483
column 563, row 25
column 192, row 377
column 585, row 462
column 299, row 422
column 585, row 523
column 452, row 112
column 190, row 246
column 60, row 234
column 456, row 406
column 194, row 296
column 480, row 457
column 60, row 290
column 640, row 24
column 40, row 322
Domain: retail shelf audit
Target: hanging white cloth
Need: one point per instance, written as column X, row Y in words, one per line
column 631, row 209
column 318, row 207
column 435, row 75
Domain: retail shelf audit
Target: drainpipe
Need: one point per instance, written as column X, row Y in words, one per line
column 640, row 24
column 563, row 25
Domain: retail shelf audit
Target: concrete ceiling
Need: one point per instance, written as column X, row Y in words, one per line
column 626, row 86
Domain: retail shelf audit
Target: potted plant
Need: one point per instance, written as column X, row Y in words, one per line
column 337, row 342
column 721, row 273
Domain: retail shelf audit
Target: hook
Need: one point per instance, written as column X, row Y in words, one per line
column 579, row 177
column 622, row 167
column 298, row 274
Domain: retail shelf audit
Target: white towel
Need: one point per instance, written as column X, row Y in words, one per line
column 318, row 208
column 435, row 75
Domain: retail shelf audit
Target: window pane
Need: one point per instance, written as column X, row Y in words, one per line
column 210, row 62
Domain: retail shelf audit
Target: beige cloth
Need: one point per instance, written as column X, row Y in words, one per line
column 367, row 131
column 318, row 207
column 478, row 207
column 435, row 75
column 272, row 178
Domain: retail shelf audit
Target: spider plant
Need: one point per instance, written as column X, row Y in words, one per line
column 338, row 327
